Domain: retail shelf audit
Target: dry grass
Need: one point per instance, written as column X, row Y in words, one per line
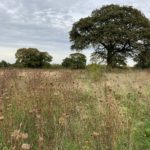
column 69, row 110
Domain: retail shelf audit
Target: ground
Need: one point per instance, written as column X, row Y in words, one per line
column 74, row 110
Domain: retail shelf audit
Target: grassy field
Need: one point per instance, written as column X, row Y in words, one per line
column 74, row 110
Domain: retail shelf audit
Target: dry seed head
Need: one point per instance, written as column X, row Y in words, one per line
column 95, row 134
column 87, row 142
column 38, row 116
column 41, row 139
column 16, row 135
column 62, row 121
column 24, row 136
column 25, row 146
column 9, row 105
column 1, row 118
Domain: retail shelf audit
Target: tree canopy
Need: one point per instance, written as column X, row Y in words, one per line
column 143, row 57
column 32, row 58
column 113, row 31
column 4, row 64
column 75, row 61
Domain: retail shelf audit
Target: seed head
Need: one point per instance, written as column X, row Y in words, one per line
column 25, row 146
column 1, row 118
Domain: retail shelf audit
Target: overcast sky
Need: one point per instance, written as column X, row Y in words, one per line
column 44, row 24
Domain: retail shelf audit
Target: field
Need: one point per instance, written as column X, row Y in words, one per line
column 74, row 110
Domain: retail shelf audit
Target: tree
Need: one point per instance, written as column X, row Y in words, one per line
column 67, row 63
column 117, row 61
column 78, row 61
column 44, row 59
column 143, row 57
column 4, row 64
column 113, row 31
column 32, row 58
column 75, row 61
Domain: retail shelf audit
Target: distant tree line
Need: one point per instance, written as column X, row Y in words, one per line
column 33, row 58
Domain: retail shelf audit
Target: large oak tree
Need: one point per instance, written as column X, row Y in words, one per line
column 113, row 31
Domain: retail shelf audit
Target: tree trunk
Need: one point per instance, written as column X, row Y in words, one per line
column 109, row 59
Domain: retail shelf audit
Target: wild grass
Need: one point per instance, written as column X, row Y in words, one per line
column 74, row 110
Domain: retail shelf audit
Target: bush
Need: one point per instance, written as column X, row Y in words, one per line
column 96, row 71
column 4, row 64
column 75, row 61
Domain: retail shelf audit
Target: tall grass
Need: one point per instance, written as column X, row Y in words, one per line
column 74, row 110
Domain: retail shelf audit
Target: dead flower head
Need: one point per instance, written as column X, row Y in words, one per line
column 25, row 146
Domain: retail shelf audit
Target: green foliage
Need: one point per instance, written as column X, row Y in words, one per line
column 96, row 71
column 142, row 136
column 4, row 147
column 4, row 64
column 143, row 57
column 113, row 31
column 70, row 145
column 75, row 61
column 32, row 58
column 67, row 62
column 56, row 66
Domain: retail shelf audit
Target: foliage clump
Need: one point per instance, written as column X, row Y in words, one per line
column 75, row 61
column 4, row 64
column 32, row 58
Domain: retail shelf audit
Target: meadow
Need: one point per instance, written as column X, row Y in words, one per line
column 90, row 109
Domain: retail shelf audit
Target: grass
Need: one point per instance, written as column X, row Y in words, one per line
column 74, row 110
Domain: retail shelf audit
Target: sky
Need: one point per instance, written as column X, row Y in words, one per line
column 45, row 24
